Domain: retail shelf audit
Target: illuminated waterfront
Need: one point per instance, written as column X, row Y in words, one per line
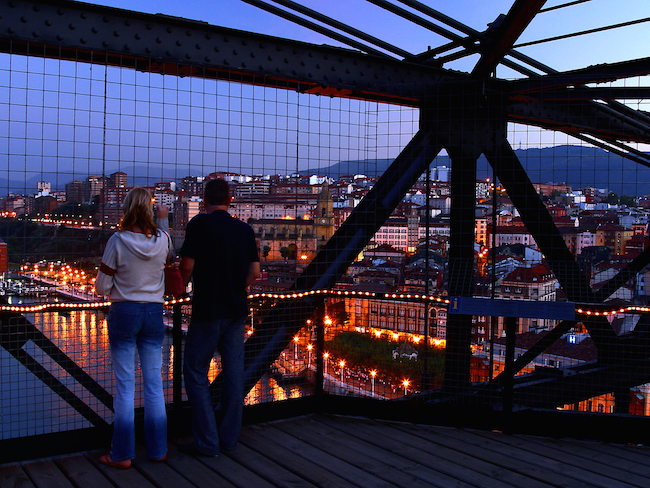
column 82, row 336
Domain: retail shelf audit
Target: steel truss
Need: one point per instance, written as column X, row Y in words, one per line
column 464, row 113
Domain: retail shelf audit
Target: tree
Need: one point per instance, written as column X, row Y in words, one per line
column 265, row 251
column 285, row 252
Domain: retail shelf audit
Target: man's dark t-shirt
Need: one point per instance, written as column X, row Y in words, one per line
column 222, row 248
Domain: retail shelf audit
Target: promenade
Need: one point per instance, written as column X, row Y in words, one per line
column 332, row 451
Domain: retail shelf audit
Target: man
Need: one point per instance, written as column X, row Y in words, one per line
column 220, row 254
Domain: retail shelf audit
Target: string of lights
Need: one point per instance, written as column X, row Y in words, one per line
column 580, row 309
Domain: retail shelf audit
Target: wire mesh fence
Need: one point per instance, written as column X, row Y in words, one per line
column 392, row 210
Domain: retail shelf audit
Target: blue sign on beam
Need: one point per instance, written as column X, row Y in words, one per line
column 497, row 307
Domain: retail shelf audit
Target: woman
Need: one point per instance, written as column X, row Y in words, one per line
column 132, row 274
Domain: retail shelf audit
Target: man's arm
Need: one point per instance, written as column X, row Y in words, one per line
column 253, row 272
column 186, row 267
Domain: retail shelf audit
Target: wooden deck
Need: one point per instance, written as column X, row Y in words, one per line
column 333, row 451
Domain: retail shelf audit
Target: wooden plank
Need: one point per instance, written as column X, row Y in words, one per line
column 426, row 473
column 494, row 453
column 193, row 470
column 45, row 474
column 371, row 458
column 81, row 472
column 636, row 459
column 341, row 468
column 13, row 476
column 232, row 471
column 159, row 473
column 267, row 469
column 124, row 478
column 316, row 475
column 451, row 462
column 598, row 463
column 578, row 468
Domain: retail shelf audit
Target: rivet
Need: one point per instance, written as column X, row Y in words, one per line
column 94, row 29
column 149, row 26
column 37, row 8
column 106, row 19
column 127, row 23
column 82, row 40
column 138, row 37
column 48, row 23
column 84, row 15
column 34, row 34
column 23, row 19
column 178, row 43
column 116, row 34
column 169, row 30
column 72, row 27
column 198, row 46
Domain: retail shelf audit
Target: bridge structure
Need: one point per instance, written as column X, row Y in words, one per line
column 465, row 114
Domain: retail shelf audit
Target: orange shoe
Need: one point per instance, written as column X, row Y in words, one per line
column 106, row 459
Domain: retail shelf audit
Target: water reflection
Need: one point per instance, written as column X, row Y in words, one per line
column 30, row 407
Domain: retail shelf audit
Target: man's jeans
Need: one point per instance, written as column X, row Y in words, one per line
column 131, row 325
column 227, row 337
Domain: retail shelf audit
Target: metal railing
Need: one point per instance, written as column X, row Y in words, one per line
column 57, row 380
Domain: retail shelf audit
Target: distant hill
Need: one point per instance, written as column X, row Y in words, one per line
column 575, row 165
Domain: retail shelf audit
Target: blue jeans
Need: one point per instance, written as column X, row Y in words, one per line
column 227, row 337
column 131, row 325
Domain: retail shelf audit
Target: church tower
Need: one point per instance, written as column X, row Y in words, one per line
column 324, row 216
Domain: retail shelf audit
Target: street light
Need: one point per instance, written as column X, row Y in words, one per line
column 373, row 373
column 326, row 356
column 342, row 365
column 406, row 385
column 295, row 348
column 309, row 348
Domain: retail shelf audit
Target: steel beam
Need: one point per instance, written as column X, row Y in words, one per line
column 503, row 36
column 83, row 32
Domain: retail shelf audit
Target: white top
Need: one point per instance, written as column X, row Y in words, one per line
column 132, row 267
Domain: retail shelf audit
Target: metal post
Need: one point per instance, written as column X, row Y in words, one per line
column 508, row 386
column 320, row 346
column 177, row 366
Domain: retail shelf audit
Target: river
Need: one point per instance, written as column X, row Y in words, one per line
column 29, row 407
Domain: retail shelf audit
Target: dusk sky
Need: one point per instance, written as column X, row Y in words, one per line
column 616, row 45
column 58, row 127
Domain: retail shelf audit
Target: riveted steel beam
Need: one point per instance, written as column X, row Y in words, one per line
column 170, row 45
column 504, row 35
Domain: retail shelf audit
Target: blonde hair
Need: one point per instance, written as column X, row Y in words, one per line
column 138, row 211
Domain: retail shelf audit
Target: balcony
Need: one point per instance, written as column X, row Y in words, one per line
column 147, row 100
